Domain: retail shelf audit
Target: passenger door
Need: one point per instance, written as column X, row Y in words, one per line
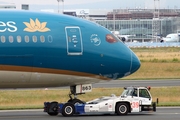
column 74, row 40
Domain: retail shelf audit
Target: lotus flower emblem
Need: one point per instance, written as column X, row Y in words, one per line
column 35, row 26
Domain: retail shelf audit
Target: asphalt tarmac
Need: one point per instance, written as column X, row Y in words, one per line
column 127, row 83
column 165, row 113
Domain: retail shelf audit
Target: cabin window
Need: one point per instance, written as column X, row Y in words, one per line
column 18, row 39
column 144, row 93
column 42, row 38
column 34, row 38
column 11, row 39
column 3, row 39
column 50, row 38
column 26, row 39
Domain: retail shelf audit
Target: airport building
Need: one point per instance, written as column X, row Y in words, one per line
column 142, row 29
column 91, row 14
column 7, row 6
column 14, row 6
column 142, row 24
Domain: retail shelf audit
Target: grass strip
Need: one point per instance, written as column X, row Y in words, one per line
column 34, row 99
column 157, row 63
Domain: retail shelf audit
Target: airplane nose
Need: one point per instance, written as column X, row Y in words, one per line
column 135, row 63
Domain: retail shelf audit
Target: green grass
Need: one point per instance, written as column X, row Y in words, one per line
column 164, row 104
column 160, row 49
column 157, row 63
column 151, row 70
column 34, row 99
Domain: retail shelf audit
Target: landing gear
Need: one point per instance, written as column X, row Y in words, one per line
column 74, row 100
column 68, row 109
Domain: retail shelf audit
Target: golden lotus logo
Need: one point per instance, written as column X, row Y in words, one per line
column 35, row 26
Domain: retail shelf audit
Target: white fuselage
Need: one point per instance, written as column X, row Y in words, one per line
column 171, row 38
column 12, row 79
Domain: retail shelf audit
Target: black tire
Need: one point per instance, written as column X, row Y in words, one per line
column 75, row 101
column 154, row 106
column 68, row 110
column 53, row 113
column 53, row 108
column 122, row 109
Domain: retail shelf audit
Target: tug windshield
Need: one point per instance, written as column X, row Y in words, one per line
column 127, row 92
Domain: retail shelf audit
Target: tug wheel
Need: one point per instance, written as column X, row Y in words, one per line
column 68, row 109
column 122, row 109
column 53, row 109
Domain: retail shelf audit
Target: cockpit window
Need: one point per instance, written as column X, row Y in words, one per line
column 111, row 38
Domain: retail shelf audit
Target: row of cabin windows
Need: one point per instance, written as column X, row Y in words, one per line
column 26, row 39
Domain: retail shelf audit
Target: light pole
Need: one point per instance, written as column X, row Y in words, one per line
column 156, row 21
column 58, row 5
column 114, row 19
column 63, row 5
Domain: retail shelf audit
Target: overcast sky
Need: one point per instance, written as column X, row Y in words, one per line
column 94, row 4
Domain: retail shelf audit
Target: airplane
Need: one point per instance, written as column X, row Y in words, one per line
column 123, row 38
column 41, row 50
column 173, row 37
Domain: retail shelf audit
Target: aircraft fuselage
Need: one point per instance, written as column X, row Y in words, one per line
column 51, row 50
